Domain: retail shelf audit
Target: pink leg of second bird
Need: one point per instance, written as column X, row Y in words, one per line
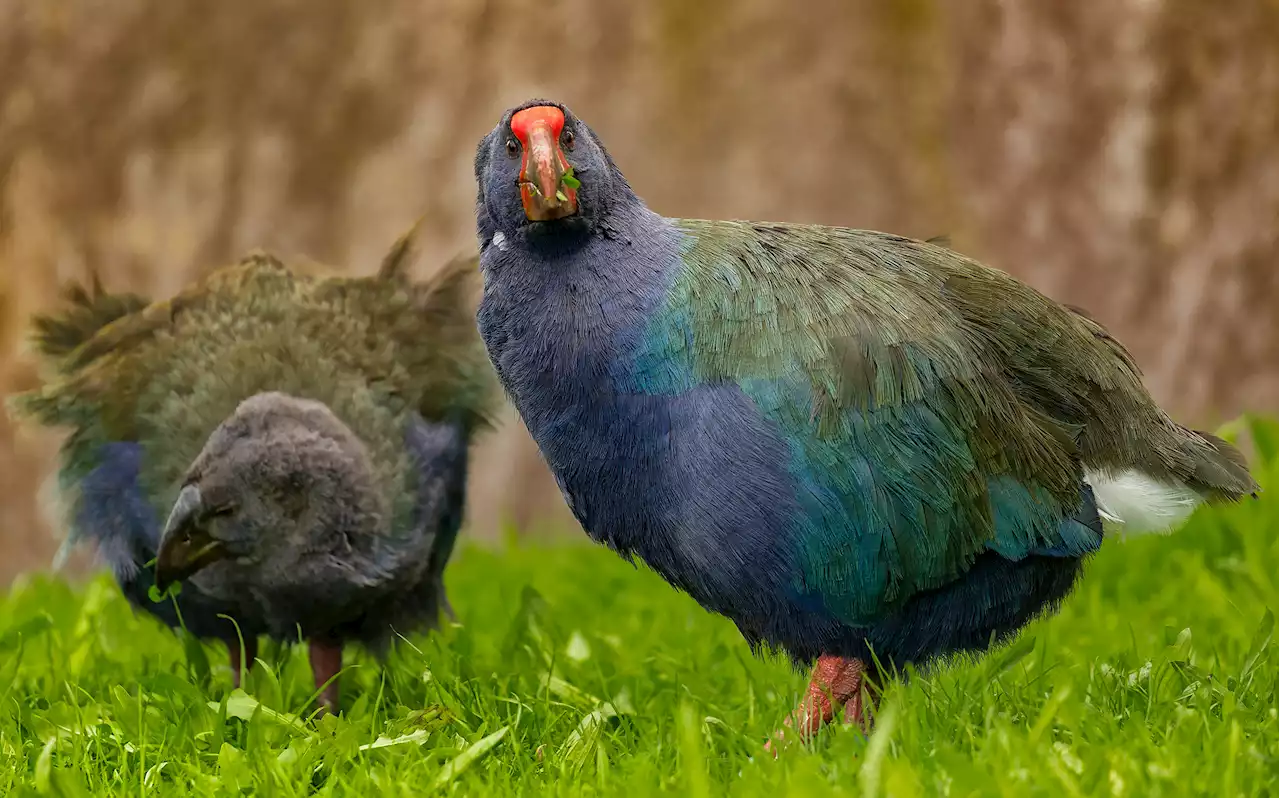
column 836, row 682
column 240, row 666
column 326, row 661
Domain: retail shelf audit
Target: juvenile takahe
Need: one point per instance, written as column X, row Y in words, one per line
column 305, row 437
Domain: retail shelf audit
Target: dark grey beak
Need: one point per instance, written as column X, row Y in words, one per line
column 186, row 546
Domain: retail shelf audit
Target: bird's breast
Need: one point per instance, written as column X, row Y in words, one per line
column 694, row 483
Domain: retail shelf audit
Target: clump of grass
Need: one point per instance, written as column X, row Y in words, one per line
column 572, row 673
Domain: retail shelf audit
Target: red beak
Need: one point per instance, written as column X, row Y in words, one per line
column 543, row 167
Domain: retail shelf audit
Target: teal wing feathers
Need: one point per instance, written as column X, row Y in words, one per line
column 911, row 450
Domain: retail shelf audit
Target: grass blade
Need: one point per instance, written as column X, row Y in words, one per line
column 459, row 764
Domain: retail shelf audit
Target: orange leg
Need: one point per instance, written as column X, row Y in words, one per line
column 326, row 661
column 837, row 683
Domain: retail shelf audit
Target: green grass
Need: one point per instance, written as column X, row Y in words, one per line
column 573, row 673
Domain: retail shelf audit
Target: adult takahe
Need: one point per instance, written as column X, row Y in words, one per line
column 848, row 442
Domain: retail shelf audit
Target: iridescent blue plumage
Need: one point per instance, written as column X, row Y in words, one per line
column 888, row 491
column 845, row 441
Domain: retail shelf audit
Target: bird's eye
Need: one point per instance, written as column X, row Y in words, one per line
column 513, row 148
column 221, row 510
column 568, row 139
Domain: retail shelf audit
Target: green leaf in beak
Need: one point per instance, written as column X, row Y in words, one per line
column 570, row 181
column 156, row 596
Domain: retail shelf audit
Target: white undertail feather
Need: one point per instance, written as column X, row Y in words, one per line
column 1134, row 503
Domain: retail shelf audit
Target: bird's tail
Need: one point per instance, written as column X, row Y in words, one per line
column 453, row 276
column 1222, row 473
column 87, row 310
column 1135, row 502
column 58, row 339
column 396, row 262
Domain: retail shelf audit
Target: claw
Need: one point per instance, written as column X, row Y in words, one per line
column 836, row 682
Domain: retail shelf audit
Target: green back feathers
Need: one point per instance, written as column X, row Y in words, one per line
column 934, row 405
column 865, row 317
column 372, row 348
column 895, row 413
column 854, row 303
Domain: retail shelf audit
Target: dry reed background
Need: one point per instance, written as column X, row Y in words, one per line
column 1120, row 156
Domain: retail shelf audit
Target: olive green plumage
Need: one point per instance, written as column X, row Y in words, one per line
column 167, row 374
column 141, row 388
column 938, row 406
column 1058, row 373
column 86, row 311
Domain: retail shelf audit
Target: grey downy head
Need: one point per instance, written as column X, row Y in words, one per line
column 278, row 507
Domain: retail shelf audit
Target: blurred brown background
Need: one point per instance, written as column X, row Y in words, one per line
column 1120, row 156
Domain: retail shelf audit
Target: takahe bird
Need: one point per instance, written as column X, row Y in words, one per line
column 310, row 434
column 848, row 442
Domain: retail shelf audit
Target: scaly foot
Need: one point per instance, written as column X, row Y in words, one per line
column 836, row 682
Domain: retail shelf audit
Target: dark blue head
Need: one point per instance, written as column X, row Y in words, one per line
column 542, row 174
